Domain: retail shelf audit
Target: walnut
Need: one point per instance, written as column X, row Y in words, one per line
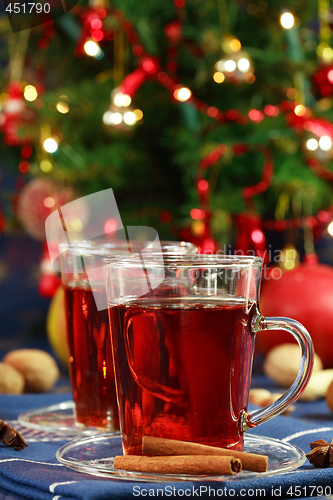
column 282, row 363
column 39, row 369
column 329, row 396
column 263, row 397
column 259, row 396
column 318, row 385
column 11, row 380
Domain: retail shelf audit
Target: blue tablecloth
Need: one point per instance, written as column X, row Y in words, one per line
column 34, row 472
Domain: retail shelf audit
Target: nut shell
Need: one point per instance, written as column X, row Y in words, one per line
column 39, row 369
column 318, row 385
column 11, row 380
column 258, row 396
column 282, row 363
column 263, row 397
column 329, row 396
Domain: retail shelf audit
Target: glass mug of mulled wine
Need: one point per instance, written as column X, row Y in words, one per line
column 183, row 331
column 88, row 334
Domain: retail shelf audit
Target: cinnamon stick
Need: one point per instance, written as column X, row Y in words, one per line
column 160, row 446
column 185, row 464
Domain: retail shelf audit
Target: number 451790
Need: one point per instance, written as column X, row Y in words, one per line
column 28, row 8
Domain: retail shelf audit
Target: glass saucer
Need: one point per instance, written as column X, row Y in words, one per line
column 94, row 455
column 56, row 418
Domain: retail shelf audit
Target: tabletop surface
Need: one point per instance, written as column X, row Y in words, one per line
column 35, row 473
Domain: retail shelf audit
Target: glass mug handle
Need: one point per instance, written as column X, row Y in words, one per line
column 250, row 420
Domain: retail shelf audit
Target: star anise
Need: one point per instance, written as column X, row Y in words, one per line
column 11, row 437
column 321, row 454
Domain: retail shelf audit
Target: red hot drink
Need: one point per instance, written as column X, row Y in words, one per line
column 90, row 359
column 183, row 334
column 177, row 370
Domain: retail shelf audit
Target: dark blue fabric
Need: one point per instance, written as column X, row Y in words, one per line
column 34, row 473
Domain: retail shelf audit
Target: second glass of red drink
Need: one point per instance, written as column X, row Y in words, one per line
column 88, row 334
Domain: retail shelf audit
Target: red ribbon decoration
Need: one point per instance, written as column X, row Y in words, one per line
column 320, row 169
column 250, row 191
column 149, row 68
column 249, row 225
column 266, row 177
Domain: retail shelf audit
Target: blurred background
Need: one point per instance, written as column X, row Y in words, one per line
column 211, row 120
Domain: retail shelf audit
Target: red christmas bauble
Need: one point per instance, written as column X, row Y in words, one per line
column 305, row 294
column 323, row 80
column 36, row 201
column 173, row 31
column 48, row 284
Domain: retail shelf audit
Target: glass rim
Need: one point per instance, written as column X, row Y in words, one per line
column 123, row 244
column 183, row 261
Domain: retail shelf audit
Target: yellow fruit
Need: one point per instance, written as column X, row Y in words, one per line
column 56, row 326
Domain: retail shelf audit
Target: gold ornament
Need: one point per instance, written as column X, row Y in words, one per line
column 236, row 67
column 120, row 114
column 318, row 147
